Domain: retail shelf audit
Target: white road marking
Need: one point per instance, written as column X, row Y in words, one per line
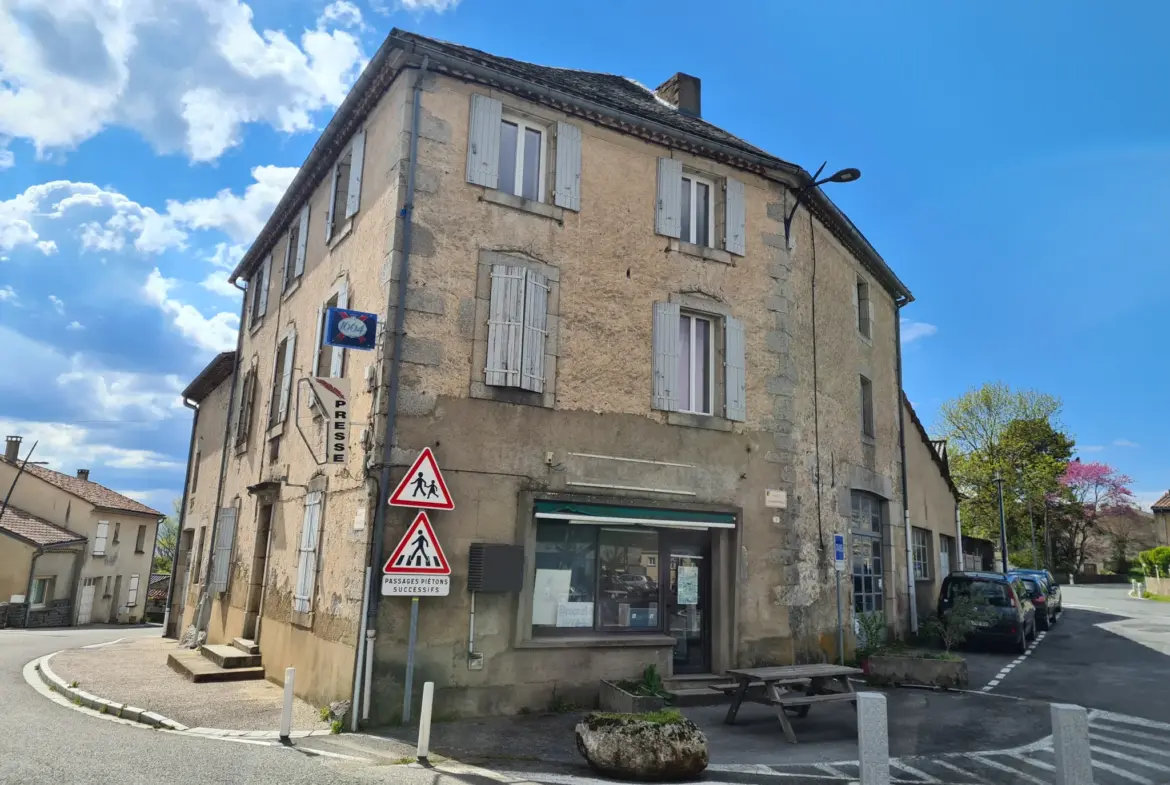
column 829, row 769
column 1108, row 753
column 102, row 645
column 1016, row 772
column 1007, row 669
column 1131, row 745
column 1125, row 775
column 913, row 772
column 1033, row 762
column 1135, row 733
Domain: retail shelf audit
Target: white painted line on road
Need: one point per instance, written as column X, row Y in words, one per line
column 1009, row 769
column 1131, row 745
column 1005, row 670
column 1033, row 762
column 1090, row 608
column 913, row 772
column 1125, row 719
column 1102, row 728
column 951, row 767
column 102, row 645
column 1126, row 756
column 1125, row 775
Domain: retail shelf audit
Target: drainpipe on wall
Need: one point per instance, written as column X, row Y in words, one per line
column 182, row 516
column 959, row 536
column 364, row 663
column 910, row 600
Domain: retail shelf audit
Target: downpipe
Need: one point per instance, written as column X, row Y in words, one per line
column 912, row 606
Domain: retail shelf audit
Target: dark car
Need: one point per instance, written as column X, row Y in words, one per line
column 1053, row 587
column 1040, row 593
column 1008, row 615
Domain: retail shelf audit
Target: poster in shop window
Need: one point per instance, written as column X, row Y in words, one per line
column 688, row 585
column 552, row 587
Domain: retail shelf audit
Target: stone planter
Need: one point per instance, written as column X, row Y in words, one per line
column 634, row 747
column 893, row 670
column 613, row 698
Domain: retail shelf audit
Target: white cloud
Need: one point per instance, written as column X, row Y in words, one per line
column 342, row 13
column 217, row 283
column 226, row 256
column 240, row 217
column 1125, row 443
column 66, row 447
column 7, row 159
column 75, row 325
column 58, row 304
column 159, row 498
column 186, row 74
column 1090, row 448
column 217, row 334
column 912, row 331
column 438, row 6
column 47, row 247
column 8, row 295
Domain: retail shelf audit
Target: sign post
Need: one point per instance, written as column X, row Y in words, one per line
column 838, row 568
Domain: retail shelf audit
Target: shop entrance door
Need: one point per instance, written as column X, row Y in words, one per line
column 688, row 601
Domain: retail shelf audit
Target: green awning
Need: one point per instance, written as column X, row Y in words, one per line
column 583, row 512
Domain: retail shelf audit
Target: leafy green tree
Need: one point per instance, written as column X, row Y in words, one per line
column 168, row 540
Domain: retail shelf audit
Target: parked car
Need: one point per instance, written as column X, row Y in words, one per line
column 1053, row 587
column 1008, row 616
column 1040, row 592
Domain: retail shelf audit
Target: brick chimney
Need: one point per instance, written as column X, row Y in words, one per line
column 12, row 449
column 684, row 92
column 83, row 474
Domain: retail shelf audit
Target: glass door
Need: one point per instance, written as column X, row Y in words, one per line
column 688, row 599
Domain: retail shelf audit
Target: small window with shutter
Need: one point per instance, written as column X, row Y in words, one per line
column 258, row 292
column 307, row 553
column 689, row 347
column 282, row 379
column 294, row 251
column 517, row 328
column 864, row 316
column 345, row 191
column 700, row 209
column 245, row 408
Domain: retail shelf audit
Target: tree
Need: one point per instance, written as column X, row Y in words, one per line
column 168, row 540
column 1099, row 491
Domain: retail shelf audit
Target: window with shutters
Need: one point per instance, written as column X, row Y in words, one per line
column 99, row 539
column 294, row 250
column 699, row 362
column 132, row 592
column 705, row 213
column 696, row 377
column 307, row 553
column 697, row 210
column 863, row 308
column 258, row 293
column 247, row 405
column 346, row 188
column 867, row 426
column 284, row 366
column 221, row 556
column 330, row 360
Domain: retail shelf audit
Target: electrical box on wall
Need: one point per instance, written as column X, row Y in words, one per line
column 495, row 568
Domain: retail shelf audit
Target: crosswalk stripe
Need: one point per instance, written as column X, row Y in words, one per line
column 913, row 772
column 1022, row 775
column 1125, row 719
column 951, row 767
column 1033, row 762
column 1098, row 750
column 1125, row 775
column 1131, row 745
column 1127, row 732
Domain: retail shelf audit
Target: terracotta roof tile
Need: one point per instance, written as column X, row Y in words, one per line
column 37, row 530
column 1163, row 503
column 92, row 492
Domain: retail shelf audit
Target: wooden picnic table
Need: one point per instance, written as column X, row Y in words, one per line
column 789, row 687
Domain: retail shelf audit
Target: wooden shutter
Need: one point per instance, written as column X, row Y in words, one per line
column 736, row 218
column 735, row 371
column 287, row 377
column 535, row 331
column 666, row 350
column 99, row 538
column 332, row 204
column 568, row 174
column 132, row 592
column 483, row 142
column 353, row 199
column 505, row 326
column 319, row 341
column 262, row 307
column 225, row 536
column 307, row 553
column 668, row 221
column 302, row 240
column 337, row 359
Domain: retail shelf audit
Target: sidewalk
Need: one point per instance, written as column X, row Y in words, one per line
column 135, row 672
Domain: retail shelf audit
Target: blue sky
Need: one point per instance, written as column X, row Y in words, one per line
column 1015, row 159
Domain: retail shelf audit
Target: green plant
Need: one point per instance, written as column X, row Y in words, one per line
column 561, row 705
column 325, row 714
column 953, row 627
column 77, row 701
column 660, row 717
column 872, row 632
column 403, row 761
column 75, row 683
column 337, row 726
column 650, row 685
column 103, row 709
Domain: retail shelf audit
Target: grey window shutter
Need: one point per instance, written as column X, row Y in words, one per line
column 337, row 357
column 286, row 380
column 735, row 371
column 225, row 536
column 302, row 240
column 736, row 218
column 668, row 220
column 354, row 200
column 332, row 204
column 262, row 306
column 535, row 331
column 483, row 142
column 568, row 190
column 505, row 326
column 307, row 554
column 666, row 350
column 319, row 341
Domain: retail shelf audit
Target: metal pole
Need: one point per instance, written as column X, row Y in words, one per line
column 840, row 624
column 410, row 660
column 1003, row 557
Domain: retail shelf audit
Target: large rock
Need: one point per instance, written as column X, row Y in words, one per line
column 626, row 746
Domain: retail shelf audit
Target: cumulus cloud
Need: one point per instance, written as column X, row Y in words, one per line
column 240, row 217
column 65, row 446
column 8, row 295
column 218, row 284
column 438, row 6
column 58, row 304
column 186, row 74
column 7, row 159
column 1125, row 443
column 342, row 13
column 912, row 331
column 215, row 334
column 75, row 325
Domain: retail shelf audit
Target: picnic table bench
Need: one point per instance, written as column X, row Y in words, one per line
column 785, row 687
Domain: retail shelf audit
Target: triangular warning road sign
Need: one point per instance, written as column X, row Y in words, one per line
column 419, row 552
column 423, row 486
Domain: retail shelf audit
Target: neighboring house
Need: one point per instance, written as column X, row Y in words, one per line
column 157, row 593
column 610, row 347
column 39, row 563
column 934, row 504
column 1161, row 510
column 109, row 586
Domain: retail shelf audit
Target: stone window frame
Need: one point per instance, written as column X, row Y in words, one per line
column 718, row 312
column 478, row 388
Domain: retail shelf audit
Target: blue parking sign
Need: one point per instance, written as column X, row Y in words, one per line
column 839, row 552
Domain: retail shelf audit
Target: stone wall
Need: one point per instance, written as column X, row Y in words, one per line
column 56, row 614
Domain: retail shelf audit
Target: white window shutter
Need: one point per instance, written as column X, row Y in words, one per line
column 332, row 204
column 99, row 539
column 319, row 341
column 225, row 536
column 668, row 221
column 535, row 331
column 869, row 305
column 132, row 592
column 666, row 351
column 307, row 554
column 286, row 381
column 337, row 358
column 505, row 326
column 354, row 199
column 735, row 371
column 568, row 185
column 483, row 141
column 302, row 240
column 262, row 307
column 736, row 218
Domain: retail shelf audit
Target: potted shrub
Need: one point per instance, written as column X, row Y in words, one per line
column 932, row 668
column 634, row 696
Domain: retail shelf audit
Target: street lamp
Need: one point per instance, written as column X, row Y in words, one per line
column 842, row 176
column 1002, row 525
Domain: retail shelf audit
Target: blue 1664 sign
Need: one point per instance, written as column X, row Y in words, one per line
column 351, row 329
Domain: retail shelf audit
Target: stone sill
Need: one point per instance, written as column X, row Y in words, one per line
column 687, row 420
column 291, row 289
column 598, row 642
column 340, row 235
column 702, row 252
column 523, row 205
column 301, row 619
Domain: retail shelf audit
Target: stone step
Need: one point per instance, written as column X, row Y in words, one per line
column 229, row 656
column 246, row 646
column 193, row 666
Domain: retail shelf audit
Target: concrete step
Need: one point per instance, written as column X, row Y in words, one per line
column 229, row 656
column 193, row 666
column 246, row 646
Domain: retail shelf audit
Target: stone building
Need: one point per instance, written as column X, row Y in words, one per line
column 1161, row 510
column 621, row 363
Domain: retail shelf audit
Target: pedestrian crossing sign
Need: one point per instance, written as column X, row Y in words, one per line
column 423, row 486
column 418, row 552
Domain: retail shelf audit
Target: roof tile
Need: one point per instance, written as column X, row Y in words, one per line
column 38, row 530
column 1163, row 503
column 92, row 492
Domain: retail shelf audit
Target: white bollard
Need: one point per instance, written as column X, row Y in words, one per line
column 286, row 712
column 424, row 722
column 873, row 739
column 1070, row 741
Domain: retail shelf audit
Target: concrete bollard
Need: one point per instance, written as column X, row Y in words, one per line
column 286, row 712
column 1070, row 741
column 873, row 739
column 424, row 722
